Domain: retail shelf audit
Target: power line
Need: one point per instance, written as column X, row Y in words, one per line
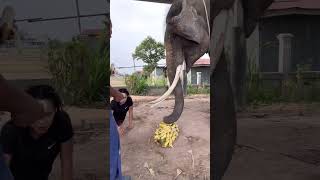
column 78, row 14
column 127, row 67
column 59, row 18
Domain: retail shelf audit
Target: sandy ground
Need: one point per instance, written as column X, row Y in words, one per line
column 90, row 139
column 139, row 148
column 90, row 155
column 279, row 142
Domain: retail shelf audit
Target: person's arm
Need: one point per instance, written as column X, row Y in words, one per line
column 66, row 156
column 131, row 117
column 24, row 109
column 116, row 94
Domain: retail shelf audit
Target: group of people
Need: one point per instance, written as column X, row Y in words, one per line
column 39, row 130
column 29, row 148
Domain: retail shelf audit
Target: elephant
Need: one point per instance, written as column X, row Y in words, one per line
column 193, row 28
column 186, row 40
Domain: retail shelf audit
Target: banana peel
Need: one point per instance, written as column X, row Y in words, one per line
column 166, row 134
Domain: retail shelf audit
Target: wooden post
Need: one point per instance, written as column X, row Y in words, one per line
column 78, row 16
column 285, row 53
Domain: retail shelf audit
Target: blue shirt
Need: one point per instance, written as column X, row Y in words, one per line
column 115, row 158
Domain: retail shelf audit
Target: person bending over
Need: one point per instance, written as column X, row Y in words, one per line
column 30, row 151
column 120, row 110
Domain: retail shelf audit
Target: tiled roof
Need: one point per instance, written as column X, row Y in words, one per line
column 202, row 62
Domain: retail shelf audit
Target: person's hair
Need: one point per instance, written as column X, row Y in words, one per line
column 46, row 92
column 124, row 90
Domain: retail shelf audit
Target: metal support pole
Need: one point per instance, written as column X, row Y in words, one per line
column 78, row 16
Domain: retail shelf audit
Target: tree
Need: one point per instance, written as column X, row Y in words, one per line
column 150, row 52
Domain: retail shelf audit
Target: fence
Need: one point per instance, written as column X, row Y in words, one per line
column 300, row 85
column 25, row 59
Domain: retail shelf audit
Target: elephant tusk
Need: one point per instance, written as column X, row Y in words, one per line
column 171, row 88
column 181, row 78
column 182, row 72
column 173, row 85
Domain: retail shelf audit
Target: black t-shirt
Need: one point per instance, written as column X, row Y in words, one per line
column 120, row 111
column 32, row 159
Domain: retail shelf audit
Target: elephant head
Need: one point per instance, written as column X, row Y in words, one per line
column 186, row 40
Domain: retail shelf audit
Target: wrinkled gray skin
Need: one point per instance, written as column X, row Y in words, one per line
column 187, row 39
column 223, row 109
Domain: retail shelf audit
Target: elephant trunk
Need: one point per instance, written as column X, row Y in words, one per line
column 175, row 61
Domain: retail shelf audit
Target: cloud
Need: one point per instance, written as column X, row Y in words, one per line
column 132, row 22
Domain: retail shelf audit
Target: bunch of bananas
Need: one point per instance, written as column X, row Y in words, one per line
column 166, row 134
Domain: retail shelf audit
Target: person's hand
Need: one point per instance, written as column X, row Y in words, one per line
column 117, row 96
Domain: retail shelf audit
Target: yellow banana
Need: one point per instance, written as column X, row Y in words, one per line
column 166, row 134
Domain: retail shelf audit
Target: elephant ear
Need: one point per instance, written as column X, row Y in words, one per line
column 188, row 23
column 253, row 10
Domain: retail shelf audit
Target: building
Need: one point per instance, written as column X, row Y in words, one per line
column 299, row 18
column 24, row 61
column 92, row 37
column 199, row 73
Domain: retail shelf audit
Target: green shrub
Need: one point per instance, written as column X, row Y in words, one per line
column 197, row 89
column 136, row 84
column 157, row 82
column 79, row 73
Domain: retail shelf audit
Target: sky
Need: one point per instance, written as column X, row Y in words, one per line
column 62, row 29
column 132, row 22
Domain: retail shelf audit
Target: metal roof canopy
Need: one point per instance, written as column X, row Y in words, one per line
column 158, row 1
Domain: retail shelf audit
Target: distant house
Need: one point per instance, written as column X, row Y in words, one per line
column 159, row 71
column 299, row 18
column 199, row 73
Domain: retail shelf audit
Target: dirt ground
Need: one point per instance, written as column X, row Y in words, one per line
column 90, row 156
column 90, row 143
column 138, row 147
column 278, row 142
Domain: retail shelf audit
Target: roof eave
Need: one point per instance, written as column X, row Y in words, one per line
column 201, row 65
column 157, row 1
column 290, row 11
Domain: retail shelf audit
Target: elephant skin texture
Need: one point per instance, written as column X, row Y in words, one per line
column 187, row 38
